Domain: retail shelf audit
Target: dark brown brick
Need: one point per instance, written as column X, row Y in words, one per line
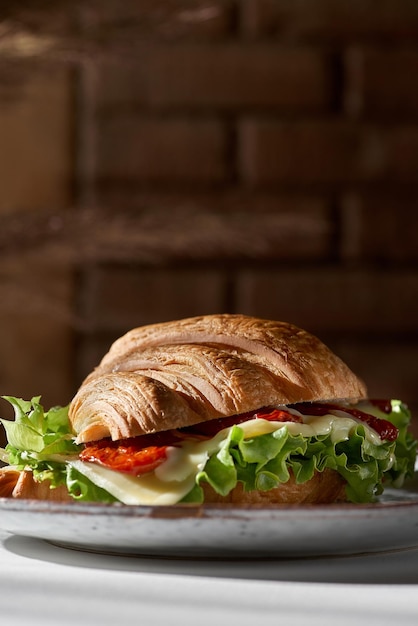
column 74, row 28
column 36, row 326
column 327, row 20
column 154, row 228
column 380, row 227
column 120, row 26
column 229, row 76
column 387, row 365
column 381, row 82
column 35, row 146
column 136, row 149
column 334, row 301
column 228, row 200
column 331, row 151
column 118, row 298
column 211, row 227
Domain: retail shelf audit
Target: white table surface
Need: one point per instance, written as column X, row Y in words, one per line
column 45, row 584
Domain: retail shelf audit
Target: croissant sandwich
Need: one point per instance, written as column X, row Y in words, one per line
column 218, row 408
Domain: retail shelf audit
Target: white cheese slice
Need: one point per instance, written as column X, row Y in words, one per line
column 146, row 489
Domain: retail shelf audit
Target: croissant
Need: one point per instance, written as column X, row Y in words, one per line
column 174, row 374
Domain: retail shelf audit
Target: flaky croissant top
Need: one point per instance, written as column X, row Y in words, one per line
column 175, row 374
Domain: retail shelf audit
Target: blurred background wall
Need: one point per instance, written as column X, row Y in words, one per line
column 163, row 159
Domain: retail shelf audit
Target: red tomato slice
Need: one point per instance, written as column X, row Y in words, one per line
column 278, row 415
column 384, row 428
column 144, row 454
column 126, row 458
column 212, row 427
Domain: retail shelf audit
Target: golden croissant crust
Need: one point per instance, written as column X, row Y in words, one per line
column 173, row 374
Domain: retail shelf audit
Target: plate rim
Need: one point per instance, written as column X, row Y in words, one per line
column 176, row 530
column 198, row 510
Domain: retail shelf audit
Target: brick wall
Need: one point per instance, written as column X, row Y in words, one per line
column 166, row 159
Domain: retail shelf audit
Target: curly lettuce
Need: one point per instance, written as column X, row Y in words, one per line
column 42, row 442
column 265, row 461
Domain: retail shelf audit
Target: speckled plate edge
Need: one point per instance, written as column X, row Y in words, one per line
column 221, row 530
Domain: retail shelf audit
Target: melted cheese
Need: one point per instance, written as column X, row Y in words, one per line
column 147, row 489
column 174, row 478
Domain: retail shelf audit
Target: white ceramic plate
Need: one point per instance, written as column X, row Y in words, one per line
column 221, row 530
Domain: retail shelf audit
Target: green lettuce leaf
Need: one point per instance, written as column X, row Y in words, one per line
column 42, row 441
column 36, row 435
column 81, row 488
column 266, row 461
column 406, row 444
